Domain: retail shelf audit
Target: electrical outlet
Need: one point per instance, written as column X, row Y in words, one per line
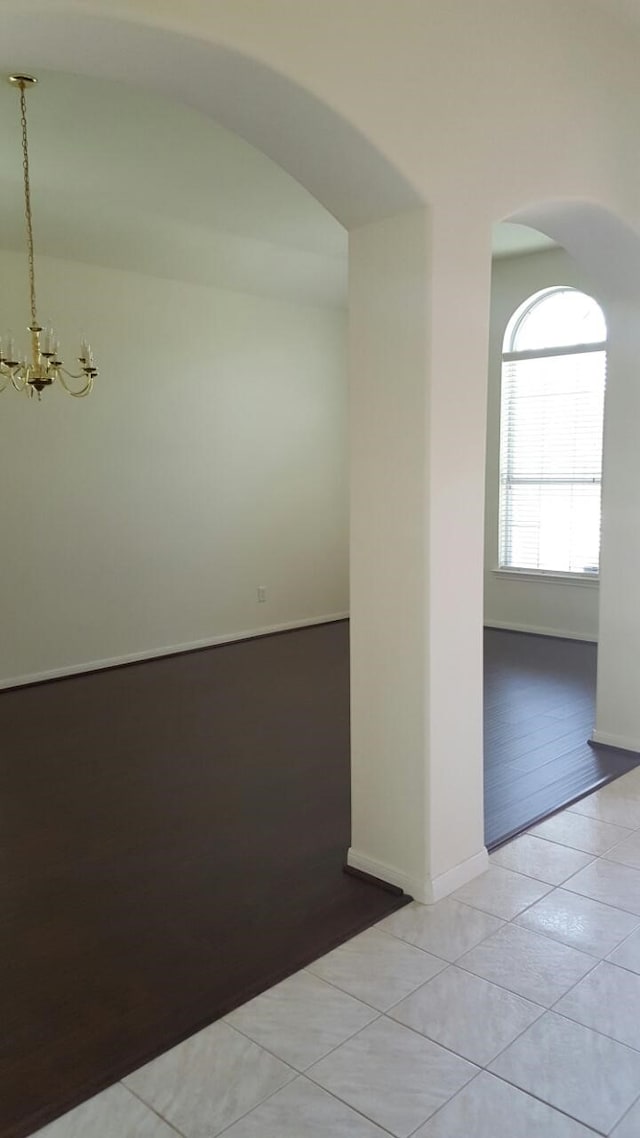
column 262, row 594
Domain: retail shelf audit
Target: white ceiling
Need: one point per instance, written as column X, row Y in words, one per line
column 129, row 180
column 511, row 240
column 134, row 181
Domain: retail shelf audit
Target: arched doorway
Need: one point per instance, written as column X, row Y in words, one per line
column 400, row 827
column 599, row 255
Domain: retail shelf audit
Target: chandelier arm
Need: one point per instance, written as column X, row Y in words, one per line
column 88, row 387
column 14, row 380
column 70, row 374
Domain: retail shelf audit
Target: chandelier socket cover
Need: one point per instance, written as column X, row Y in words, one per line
column 22, row 80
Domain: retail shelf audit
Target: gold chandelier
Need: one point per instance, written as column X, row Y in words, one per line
column 45, row 365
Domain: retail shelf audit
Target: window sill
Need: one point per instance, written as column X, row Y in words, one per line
column 582, row 580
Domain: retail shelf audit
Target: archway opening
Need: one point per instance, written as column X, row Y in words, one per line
column 543, row 604
column 155, row 309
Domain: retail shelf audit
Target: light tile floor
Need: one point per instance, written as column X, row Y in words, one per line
column 510, row 1009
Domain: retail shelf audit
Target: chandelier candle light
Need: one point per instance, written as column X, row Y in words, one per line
column 45, row 365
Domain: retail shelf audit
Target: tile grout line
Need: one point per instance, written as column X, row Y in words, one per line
column 578, row 849
column 553, row 841
column 479, row 1068
column 456, row 1054
column 294, row 1075
column 575, row 892
column 344, row 1102
column 503, row 988
column 331, row 1050
column 551, row 884
column 486, row 1067
column 634, row 1104
column 464, row 904
column 527, row 1094
column 559, row 1110
column 379, row 1011
column 457, row 963
column 150, row 1108
column 257, row 1105
column 529, row 905
column 555, row 940
column 596, row 1030
column 360, row 999
column 621, row 943
column 597, row 962
column 544, row 1008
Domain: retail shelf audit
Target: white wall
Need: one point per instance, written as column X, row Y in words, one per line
column 210, row 458
column 552, row 606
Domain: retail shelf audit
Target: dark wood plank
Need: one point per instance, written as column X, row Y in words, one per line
column 173, row 837
column 539, row 711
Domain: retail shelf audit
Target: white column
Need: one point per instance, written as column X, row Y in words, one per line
column 461, row 276
column 418, row 365
column 618, row 701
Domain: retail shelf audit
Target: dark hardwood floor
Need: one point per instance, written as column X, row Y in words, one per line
column 172, row 837
column 539, row 705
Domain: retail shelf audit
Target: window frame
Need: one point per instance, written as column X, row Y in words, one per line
column 517, row 317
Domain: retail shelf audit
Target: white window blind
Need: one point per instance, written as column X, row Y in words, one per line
column 551, row 453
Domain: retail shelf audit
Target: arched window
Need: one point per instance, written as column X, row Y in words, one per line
column 553, row 380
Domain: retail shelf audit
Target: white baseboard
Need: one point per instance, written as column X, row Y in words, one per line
column 536, row 630
column 425, row 890
column 455, row 878
column 172, row 650
column 621, row 741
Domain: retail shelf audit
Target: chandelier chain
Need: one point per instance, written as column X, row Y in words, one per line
column 27, row 206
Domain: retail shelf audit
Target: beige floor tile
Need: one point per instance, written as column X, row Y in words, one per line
column 581, row 833
column 628, row 783
column 612, row 806
column 574, row 1069
column 608, row 1000
column 630, row 1125
column 606, row 881
column 491, row 1108
column 501, row 892
column 115, row 1113
column 627, row 852
column 579, row 922
column 627, row 955
column 536, row 967
column 303, row 1110
column 392, row 1075
column 446, row 929
column 301, row 1019
column 209, row 1081
column 466, row 1014
column 377, row 968
column 537, row 857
